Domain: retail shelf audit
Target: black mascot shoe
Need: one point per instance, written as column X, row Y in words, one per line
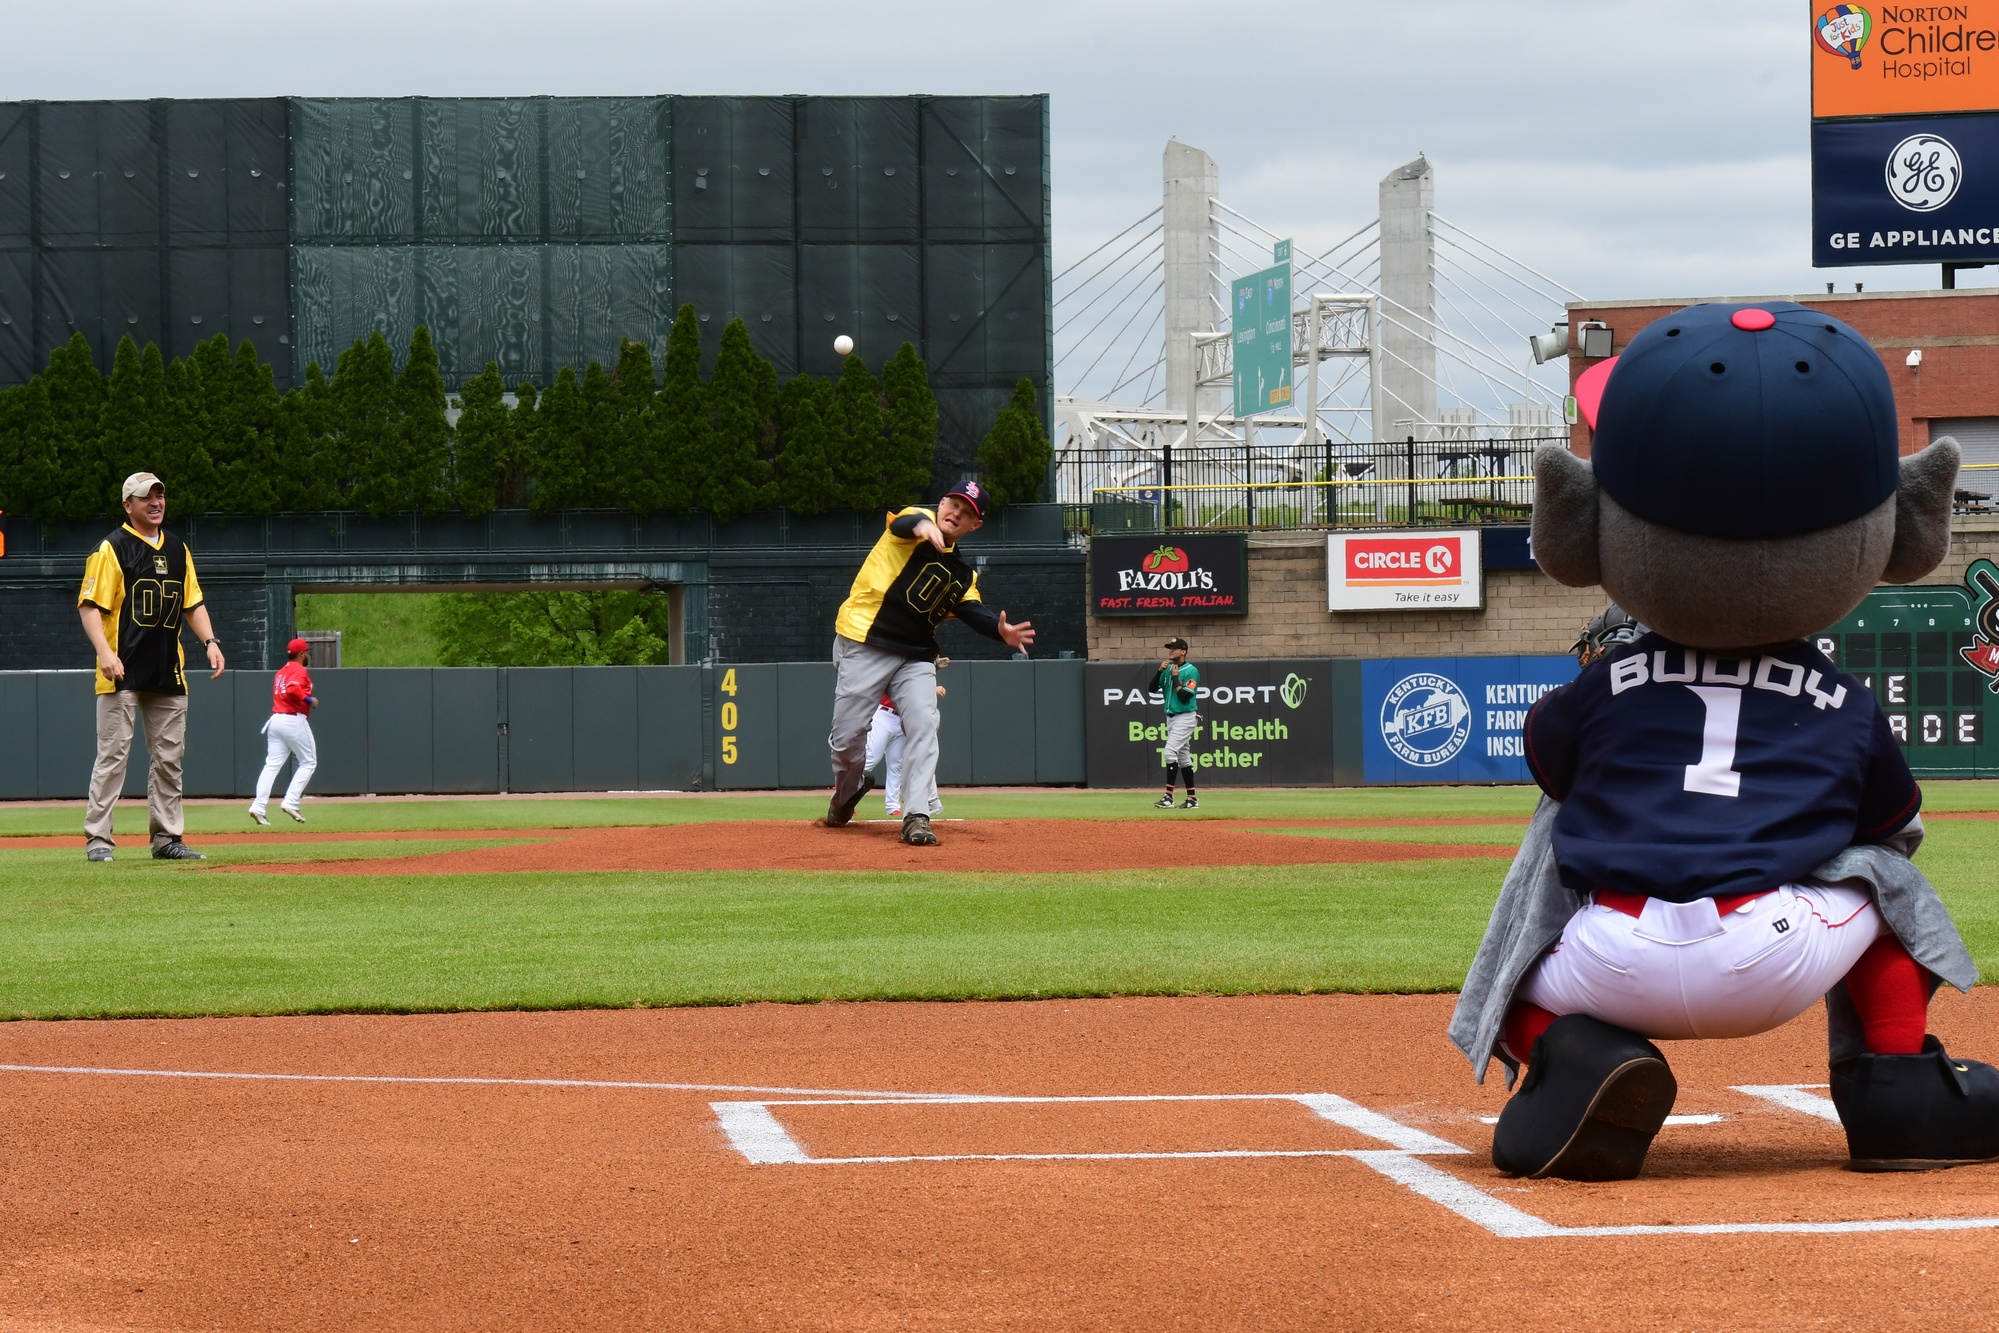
column 1917, row 1112
column 841, row 813
column 1593, row 1098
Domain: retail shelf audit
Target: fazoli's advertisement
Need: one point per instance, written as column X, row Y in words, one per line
column 1179, row 575
column 1408, row 571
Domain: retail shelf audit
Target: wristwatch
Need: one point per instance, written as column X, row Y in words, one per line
column 216, row 642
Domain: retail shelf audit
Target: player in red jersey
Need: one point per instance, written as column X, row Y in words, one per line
column 288, row 733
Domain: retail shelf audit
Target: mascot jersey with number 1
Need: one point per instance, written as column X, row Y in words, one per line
column 1728, row 820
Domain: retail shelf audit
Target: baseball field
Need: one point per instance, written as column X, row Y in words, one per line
column 632, row 1063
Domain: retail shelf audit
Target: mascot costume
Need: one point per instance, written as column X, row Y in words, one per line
column 1727, row 825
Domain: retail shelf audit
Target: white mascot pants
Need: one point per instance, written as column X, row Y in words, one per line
column 1685, row 970
column 287, row 736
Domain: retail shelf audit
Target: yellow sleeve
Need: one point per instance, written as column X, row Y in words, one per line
column 103, row 581
column 190, row 596
column 972, row 593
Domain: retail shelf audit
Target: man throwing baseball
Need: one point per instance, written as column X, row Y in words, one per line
column 885, row 642
column 1179, row 683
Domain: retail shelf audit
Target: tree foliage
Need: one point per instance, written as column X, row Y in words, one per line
column 379, row 434
column 601, row 627
column 1014, row 456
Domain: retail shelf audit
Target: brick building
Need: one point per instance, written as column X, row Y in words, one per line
column 1955, row 391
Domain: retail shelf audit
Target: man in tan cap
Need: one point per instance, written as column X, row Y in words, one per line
column 137, row 588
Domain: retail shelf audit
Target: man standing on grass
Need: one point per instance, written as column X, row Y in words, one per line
column 137, row 587
column 885, row 641
column 1179, row 683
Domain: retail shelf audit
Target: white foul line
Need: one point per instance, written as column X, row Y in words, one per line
column 753, row 1130
column 476, row 1082
column 1794, row 1097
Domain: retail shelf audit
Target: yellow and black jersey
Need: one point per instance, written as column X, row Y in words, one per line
column 907, row 588
column 143, row 588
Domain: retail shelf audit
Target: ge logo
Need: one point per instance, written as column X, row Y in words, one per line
column 1437, row 559
column 1923, row 173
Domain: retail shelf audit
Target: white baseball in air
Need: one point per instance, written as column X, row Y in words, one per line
column 843, row 345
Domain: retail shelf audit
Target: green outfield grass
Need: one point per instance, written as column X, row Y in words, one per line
column 377, row 629
column 145, row 938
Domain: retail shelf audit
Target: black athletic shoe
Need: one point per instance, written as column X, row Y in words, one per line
column 1592, row 1100
column 98, row 854
column 841, row 813
column 1190, row 804
column 1917, row 1112
column 176, row 851
column 916, row 831
column 1163, row 803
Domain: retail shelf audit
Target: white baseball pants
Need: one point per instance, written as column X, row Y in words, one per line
column 1685, row 970
column 286, row 736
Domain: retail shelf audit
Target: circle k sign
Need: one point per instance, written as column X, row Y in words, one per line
column 1413, row 570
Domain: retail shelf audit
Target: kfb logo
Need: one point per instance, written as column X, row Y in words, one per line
column 1425, row 720
column 1923, row 173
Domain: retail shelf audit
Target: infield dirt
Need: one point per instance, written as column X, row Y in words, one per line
column 202, row 1202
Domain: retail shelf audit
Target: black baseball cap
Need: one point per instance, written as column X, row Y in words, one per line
column 1747, row 421
column 1181, row 644
column 971, row 493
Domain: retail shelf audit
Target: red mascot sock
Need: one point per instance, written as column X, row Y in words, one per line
column 1891, row 994
column 1524, row 1022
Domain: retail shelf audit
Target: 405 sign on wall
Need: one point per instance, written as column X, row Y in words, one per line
column 1178, row 575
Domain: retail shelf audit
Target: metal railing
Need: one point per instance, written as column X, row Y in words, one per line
column 1234, row 486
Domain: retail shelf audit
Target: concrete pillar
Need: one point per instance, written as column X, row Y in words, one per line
column 1193, row 261
column 1409, row 304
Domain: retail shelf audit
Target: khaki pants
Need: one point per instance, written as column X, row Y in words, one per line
column 166, row 742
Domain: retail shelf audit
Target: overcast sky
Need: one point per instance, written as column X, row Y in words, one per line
column 1628, row 149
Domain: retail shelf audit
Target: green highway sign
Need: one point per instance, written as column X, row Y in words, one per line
column 1260, row 325
column 1280, row 253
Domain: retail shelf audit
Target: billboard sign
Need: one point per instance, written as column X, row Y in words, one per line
column 1260, row 326
column 1913, row 190
column 1905, row 60
column 1263, row 723
column 1182, row 574
column 1404, row 571
column 1452, row 719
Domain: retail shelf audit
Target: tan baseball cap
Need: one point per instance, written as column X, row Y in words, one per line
column 138, row 484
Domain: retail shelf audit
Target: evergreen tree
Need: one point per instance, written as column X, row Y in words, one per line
column 523, row 435
column 189, row 466
column 253, row 408
column 598, row 627
column 423, row 429
column 135, row 410
column 307, row 451
column 1014, row 456
column 912, row 428
column 743, row 399
column 600, row 481
column 76, row 407
column 482, row 440
column 682, row 408
column 634, row 464
column 805, row 483
column 559, row 476
column 364, row 405
column 857, row 449
column 30, row 471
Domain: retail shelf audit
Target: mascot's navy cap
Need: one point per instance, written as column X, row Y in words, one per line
column 1747, row 422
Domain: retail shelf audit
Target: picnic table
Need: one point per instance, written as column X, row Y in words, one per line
column 1482, row 506
column 1972, row 502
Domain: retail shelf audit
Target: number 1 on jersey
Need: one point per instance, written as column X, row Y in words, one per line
column 1713, row 774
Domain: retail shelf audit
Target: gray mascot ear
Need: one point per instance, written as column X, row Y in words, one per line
column 1565, row 517
column 1922, row 512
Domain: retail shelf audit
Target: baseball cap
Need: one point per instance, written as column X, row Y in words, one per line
column 138, row 484
column 1747, row 421
column 1176, row 643
column 971, row 493
column 298, row 646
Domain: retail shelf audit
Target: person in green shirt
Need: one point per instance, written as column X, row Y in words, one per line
column 1179, row 684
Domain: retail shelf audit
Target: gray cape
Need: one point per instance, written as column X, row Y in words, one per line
column 1534, row 905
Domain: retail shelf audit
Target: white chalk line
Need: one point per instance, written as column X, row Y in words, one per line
column 1794, row 1097
column 476, row 1082
column 1704, row 1118
column 753, row 1130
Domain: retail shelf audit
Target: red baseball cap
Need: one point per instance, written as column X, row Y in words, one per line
column 298, row 646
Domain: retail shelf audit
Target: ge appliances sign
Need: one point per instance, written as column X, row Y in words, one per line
column 1415, row 571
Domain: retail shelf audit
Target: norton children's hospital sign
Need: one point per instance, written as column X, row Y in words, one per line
column 1905, row 133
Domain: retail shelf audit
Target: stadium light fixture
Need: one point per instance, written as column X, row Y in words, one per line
column 1547, row 346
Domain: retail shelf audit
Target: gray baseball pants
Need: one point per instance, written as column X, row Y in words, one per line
column 1180, row 739
column 861, row 675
